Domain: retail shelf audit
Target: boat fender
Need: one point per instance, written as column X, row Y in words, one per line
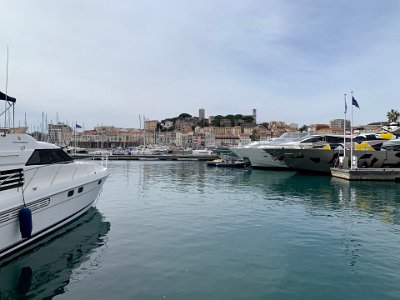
column 25, row 222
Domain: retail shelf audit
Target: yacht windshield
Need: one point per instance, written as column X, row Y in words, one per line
column 48, row 156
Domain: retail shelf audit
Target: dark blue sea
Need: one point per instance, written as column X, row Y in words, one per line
column 182, row 230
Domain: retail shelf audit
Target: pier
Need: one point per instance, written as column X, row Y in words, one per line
column 168, row 157
column 372, row 174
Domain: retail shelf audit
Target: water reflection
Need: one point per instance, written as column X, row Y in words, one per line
column 376, row 199
column 349, row 204
column 45, row 271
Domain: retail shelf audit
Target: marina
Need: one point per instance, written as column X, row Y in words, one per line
column 190, row 150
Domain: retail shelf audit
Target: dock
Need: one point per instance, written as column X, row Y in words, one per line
column 147, row 157
column 371, row 174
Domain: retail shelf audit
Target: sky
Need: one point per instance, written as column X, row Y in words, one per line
column 99, row 62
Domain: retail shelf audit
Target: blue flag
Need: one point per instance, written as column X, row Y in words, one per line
column 354, row 102
column 78, row 126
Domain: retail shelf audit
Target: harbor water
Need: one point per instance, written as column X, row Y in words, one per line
column 182, row 230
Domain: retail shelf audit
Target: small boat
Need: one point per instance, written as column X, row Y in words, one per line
column 227, row 162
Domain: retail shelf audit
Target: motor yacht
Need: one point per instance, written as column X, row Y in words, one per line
column 41, row 189
column 259, row 158
column 370, row 150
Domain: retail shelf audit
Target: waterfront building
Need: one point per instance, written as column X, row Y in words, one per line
column 247, row 129
column 60, row 134
column 339, row 123
column 244, row 139
column 150, row 125
column 330, row 130
column 228, row 140
column 317, row 127
column 107, row 137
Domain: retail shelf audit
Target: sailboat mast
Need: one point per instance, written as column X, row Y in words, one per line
column 344, row 128
column 5, row 102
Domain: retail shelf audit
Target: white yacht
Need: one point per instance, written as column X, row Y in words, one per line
column 41, row 189
column 371, row 150
column 259, row 158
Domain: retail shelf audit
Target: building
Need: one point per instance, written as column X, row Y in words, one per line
column 318, row 127
column 330, row 130
column 339, row 123
column 202, row 114
column 150, row 125
column 60, row 134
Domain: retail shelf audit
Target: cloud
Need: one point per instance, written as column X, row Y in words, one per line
column 107, row 62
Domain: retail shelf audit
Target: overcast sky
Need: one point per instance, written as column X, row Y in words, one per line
column 107, row 62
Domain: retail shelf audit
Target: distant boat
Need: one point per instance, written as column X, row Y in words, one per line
column 227, row 162
column 201, row 152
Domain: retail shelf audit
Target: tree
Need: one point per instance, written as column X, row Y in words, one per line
column 217, row 121
column 303, row 128
column 248, row 119
column 255, row 136
column 393, row 115
column 184, row 116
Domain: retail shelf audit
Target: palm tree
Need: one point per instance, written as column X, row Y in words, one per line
column 393, row 115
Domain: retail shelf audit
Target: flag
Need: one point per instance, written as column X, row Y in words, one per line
column 78, row 126
column 4, row 97
column 354, row 102
column 345, row 106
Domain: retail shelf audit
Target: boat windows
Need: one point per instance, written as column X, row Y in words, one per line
column 311, row 140
column 334, row 139
column 80, row 190
column 315, row 159
column 48, row 156
column 70, row 193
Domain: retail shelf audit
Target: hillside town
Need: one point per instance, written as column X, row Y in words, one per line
column 186, row 131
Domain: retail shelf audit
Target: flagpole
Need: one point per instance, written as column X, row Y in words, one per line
column 5, row 102
column 75, row 136
column 351, row 133
column 344, row 130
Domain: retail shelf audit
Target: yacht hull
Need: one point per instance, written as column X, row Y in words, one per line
column 320, row 160
column 52, row 207
column 259, row 158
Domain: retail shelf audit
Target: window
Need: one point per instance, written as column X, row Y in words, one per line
column 71, row 193
column 80, row 190
column 48, row 156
